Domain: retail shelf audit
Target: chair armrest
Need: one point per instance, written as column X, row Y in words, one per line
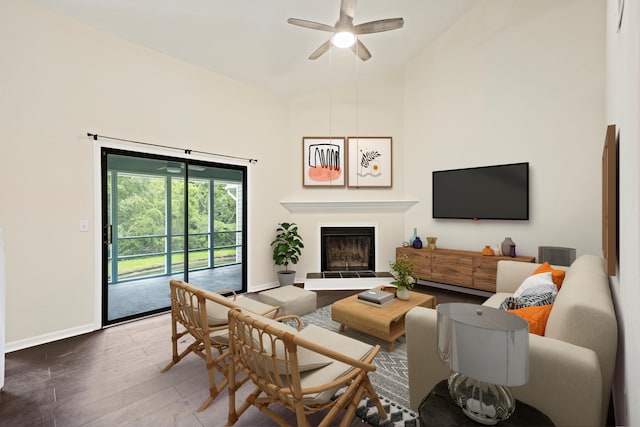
column 290, row 317
column 272, row 312
column 223, row 292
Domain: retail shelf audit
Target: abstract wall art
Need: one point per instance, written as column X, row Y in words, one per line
column 323, row 161
column 369, row 161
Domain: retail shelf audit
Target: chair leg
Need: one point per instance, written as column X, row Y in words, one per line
column 175, row 358
column 235, row 413
column 371, row 392
column 218, row 363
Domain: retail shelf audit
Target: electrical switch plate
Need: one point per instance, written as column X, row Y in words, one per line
column 84, row 225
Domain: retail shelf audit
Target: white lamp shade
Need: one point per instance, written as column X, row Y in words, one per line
column 484, row 343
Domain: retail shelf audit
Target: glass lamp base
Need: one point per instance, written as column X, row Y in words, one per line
column 482, row 402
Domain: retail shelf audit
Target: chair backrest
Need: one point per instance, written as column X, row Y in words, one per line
column 267, row 353
column 189, row 308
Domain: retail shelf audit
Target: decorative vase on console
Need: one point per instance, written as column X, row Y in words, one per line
column 417, row 243
column 487, row 251
column 506, row 246
column 413, row 238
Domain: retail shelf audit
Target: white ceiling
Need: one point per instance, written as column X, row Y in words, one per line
column 251, row 42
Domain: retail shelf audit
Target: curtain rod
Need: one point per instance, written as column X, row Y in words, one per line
column 95, row 137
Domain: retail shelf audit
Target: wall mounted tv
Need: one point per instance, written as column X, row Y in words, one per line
column 488, row 192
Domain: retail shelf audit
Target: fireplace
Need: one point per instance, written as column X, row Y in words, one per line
column 347, row 251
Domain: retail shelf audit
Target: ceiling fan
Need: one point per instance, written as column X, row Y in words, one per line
column 345, row 33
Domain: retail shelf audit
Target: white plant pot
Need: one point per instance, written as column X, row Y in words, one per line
column 403, row 294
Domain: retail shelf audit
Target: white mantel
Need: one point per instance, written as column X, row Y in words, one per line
column 351, row 206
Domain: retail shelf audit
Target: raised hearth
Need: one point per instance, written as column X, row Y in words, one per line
column 343, row 280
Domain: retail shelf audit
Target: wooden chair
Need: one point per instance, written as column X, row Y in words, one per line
column 203, row 315
column 290, row 369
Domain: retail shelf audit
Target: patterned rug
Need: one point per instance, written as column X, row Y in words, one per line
column 389, row 379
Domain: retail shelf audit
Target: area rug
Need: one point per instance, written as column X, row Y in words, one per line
column 390, row 379
column 397, row 416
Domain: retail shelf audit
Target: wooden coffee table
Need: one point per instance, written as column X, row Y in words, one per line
column 386, row 323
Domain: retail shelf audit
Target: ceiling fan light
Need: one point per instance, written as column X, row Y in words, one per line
column 343, row 39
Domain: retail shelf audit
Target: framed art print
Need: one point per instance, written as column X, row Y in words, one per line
column 323, row 161
column 369, row 161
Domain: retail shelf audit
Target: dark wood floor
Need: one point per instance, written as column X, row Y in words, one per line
column 112, row 378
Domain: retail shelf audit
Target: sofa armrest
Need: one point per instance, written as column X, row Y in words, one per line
column 564, row 379
column 564, row 382
column 511, row 274
column 425, row 368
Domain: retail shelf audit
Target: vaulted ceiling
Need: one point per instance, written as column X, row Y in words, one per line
column 251, row 42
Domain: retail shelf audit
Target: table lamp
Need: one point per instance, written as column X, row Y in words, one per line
column 488, row 350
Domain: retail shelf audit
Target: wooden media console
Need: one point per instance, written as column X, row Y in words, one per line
column 457, row 267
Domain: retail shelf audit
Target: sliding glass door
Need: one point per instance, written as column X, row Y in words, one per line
column 168, row 218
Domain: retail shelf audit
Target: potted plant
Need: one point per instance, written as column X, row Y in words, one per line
column 287, row 250
column 402, row 271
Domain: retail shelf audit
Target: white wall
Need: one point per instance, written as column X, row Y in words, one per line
column 371, row 108
column 60, row 80
column 623, row 109
column 513, row 82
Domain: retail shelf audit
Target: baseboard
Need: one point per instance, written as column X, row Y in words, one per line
column 47, row 338
column 263, row 286
column 456, row 288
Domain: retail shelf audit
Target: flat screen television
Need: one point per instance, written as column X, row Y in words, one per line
column 487, row 192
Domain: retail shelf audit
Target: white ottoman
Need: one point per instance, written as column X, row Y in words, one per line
column 291, row 299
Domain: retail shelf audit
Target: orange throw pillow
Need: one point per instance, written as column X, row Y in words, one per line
column 536, row 317
column 557, row 276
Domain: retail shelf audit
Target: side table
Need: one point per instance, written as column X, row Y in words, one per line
column 438, row 409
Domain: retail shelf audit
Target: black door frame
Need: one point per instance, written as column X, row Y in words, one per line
column 105, row 229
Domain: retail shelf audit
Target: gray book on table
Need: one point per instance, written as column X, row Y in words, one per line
column 376, row 296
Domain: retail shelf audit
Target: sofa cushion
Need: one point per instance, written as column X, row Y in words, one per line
column 513, row 303
column 307, row 360
column 536, row 317
column 217, row 312
column 339, row 342
column 537, row 284
column 557, row 275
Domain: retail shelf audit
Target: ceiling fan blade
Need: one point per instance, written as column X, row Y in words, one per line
column 322, row 49
column 378, row 26
column 311, row 24
column 361, row 50
column 347, row 10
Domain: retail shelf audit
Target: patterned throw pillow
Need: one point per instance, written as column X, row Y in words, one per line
column 513, row 303
column 537, row 284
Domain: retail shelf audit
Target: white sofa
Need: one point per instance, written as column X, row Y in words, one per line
column 570, row 368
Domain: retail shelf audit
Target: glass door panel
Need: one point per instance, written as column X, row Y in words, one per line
column 145, row 218
column 137, row 244
column 216, row 219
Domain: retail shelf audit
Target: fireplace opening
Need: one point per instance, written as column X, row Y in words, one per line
column 347, row 251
